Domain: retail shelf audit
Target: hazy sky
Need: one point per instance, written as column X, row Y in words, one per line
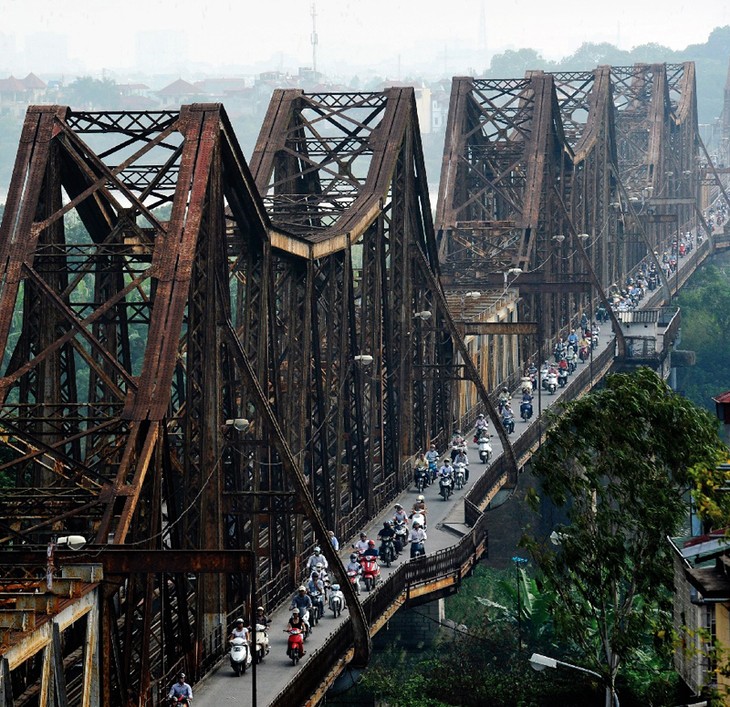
column 241, row 32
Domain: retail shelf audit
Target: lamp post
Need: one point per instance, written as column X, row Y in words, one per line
column 539, row 662
column 519, row 562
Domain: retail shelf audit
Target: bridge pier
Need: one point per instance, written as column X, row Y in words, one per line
column 414, row 627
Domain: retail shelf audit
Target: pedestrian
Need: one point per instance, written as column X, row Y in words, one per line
column 335, row 542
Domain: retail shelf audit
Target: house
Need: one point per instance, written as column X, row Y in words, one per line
column 178, row 93
column 702, row 608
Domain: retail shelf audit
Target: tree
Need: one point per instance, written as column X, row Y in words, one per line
column 619, row 463
column 88, row 92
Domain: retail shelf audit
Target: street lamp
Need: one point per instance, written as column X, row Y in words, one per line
column 240, row 424
column 472, row 294
column 363, row 359
column 559, row 238
column 519, row 562
column 539, row 662
column 425, row 315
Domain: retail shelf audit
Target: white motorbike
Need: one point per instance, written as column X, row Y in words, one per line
column 337, row 600
column 419, row 518
column 459, row 475
column 551, row 382
column 239, row 655
column 262, row 642
column 485, row 450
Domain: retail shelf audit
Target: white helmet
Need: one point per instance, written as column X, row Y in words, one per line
column 420, row 497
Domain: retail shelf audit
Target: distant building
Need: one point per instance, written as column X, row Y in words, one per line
column 179, row 92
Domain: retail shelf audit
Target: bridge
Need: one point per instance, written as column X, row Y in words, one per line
column 209, row 363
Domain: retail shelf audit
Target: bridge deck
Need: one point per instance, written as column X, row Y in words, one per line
column 446, row 522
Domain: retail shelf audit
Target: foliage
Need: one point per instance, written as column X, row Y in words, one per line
column 88, row 92
column 705, row 305
column 619, row 461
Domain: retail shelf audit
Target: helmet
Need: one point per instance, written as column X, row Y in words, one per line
column 362, row 536
column 259, row 608
column 317, row 550
column 433, row 446
column 181, row 676
column 315, row 575
column 302, row 589
column 239, row 621
column 457, row 432
column 371, row 543
column 480, row 415
column 353, row 557
column 296, row 611
column 420, row 498
column 319, row 567
column 387, row 524
column 416, row 524
column 398, row 506
column 335, row 587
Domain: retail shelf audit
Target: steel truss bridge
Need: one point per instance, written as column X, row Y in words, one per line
column 210, row 362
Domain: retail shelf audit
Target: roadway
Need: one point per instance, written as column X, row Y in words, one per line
column 445, row 526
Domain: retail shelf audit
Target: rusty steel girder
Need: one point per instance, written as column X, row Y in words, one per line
column 532, row 164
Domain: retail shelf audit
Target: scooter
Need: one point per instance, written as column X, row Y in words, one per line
column 526, row 410
column 446, row 487
column 370, row 571
column 387, row 551
column 317, row 606
column 509, row 424
column 526, row 385
column 337, row 600
column 295, row 644
column 421, row 478
column 459, row 475
column 563, row 377
column 485, row 450
column 239, row 655
column 401, row 535
column 552, row 382
column 354, row 577
column 262, row 642
column 419, row 518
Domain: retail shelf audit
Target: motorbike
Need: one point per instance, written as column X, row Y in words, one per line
column 387, row 551
column 459, row 475
column 594, row 341
column 262, row 642
column 551, row 382
column 239, row 655
column 432, row 471
column 337, row 601
column 317, row 606
column 446, row 487
column 584, row 353
column 354, row 578
column 295, row 644
column 563, row 377
column 457, row 448
column 177, row 701
column 526, row 385
column 509, row 424
column 419, row 518
column 526, row 410
column 485, row 450
column 421, row 478
column 370, row 571
column 401, row 535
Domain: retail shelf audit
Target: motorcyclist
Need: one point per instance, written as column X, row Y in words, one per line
column 387, row 533
column 261, row 618
column 461, row 458
column 431, row 455
column 239, row 631
column 302, row 602
column 481, row 427
column 353, row 565
column 297, row 622
column 457, row 441
column 400, row 515
column 315, row 589
column 372, row 551
column 337, row 593
column 419, row 508
column 508, row 419
column 504, row 398
column 316, row 559
column 181, row 691
column 420, row 467
column 362, row 544
column 418, row 535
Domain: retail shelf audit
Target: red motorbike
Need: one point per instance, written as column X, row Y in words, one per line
column 295, row 644
column 370, row 571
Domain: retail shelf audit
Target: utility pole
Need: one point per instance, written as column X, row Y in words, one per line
column 315, row 40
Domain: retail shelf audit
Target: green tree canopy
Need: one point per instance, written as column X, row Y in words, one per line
column 619, row 462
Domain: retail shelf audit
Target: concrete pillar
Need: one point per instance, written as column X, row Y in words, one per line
column 412, row 628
